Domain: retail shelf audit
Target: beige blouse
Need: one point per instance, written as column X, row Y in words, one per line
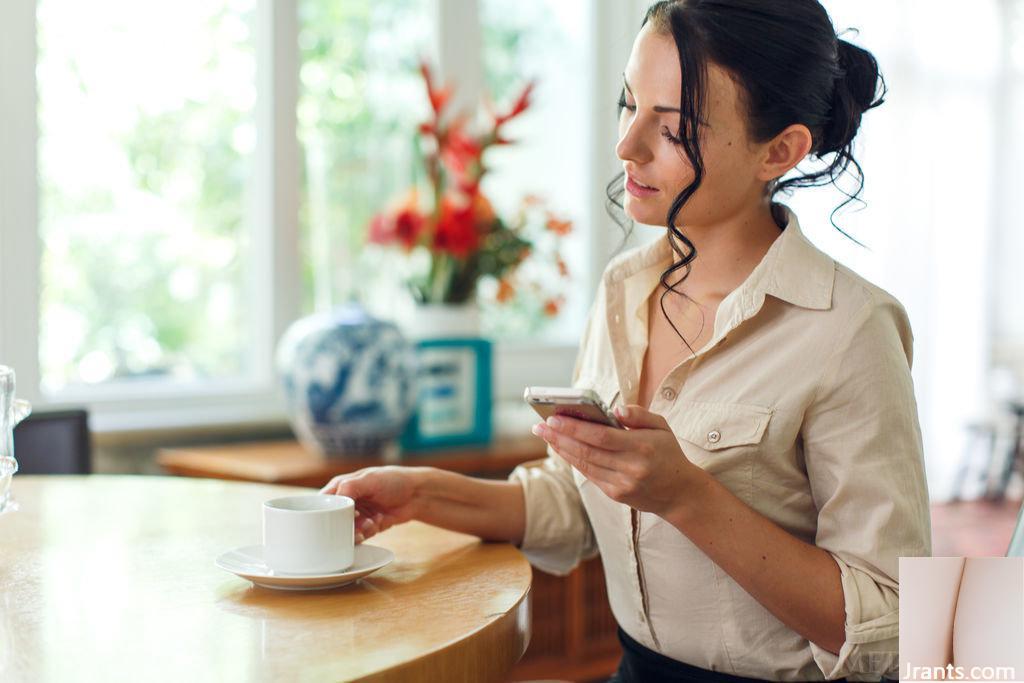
column 802, row 405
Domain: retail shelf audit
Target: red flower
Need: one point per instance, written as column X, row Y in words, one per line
column 456, row 230
column 460, row 151
column 438, row 97
column 402, row 225
column 522, row 103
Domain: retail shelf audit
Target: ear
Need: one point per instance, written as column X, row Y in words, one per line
column 784, row 151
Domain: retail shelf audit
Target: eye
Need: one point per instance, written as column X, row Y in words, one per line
column 670, row 137
column 624, row 105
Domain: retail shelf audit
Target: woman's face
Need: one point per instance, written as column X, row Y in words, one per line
column 650, row 158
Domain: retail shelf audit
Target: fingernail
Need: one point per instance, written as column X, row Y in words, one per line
column 538, row 429
column 554, row 422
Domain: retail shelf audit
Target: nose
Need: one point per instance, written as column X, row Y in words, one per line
column 632, row 145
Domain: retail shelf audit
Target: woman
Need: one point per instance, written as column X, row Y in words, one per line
column 751, row 516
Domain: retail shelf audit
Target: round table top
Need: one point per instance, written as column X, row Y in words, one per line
column 113, row 578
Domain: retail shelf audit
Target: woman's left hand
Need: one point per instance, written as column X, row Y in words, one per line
column 641, row 466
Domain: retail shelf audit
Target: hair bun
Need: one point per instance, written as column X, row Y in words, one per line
column 858, row 87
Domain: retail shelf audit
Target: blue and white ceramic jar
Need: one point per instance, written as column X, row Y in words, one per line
column 348, row 379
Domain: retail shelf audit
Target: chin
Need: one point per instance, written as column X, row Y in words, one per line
column 640, row 213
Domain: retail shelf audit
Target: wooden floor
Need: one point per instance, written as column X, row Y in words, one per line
column 973, row 528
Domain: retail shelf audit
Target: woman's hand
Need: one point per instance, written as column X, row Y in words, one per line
column 641, row 466
column 384, row 496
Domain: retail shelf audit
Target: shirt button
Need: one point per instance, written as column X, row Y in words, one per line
column 714, row 435
column 617, row 318
column 668, row 393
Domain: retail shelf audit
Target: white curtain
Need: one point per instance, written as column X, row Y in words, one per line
column 939, row 203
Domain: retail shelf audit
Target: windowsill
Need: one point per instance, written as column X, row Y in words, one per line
column 511, row 418
column 143, row 416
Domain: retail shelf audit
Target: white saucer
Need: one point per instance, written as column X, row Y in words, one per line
column 247, row 562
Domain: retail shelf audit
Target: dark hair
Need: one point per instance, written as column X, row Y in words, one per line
column 792, row 68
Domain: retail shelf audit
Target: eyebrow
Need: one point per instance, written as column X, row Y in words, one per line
column 658, row 109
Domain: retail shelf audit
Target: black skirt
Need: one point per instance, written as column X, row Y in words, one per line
column 640, row 665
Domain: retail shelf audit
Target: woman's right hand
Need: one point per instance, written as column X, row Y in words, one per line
column 384, row 496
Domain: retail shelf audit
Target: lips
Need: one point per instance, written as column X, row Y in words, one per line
column 637, row 182
column 639, row 190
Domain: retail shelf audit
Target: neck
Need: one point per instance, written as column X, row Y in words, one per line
column 727, row 250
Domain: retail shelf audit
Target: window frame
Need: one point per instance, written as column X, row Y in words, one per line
column 141, row 405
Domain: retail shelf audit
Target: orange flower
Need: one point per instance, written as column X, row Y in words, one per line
column 505, row 291
column 483, row 211
column 558, row 227
column 563, row 269
column 552, row 306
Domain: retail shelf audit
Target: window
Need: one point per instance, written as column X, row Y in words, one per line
column 360, row 98
column 546, row 40
column 174, row 195
column 145, row 156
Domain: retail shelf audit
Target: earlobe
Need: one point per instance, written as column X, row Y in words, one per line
column 785, row 151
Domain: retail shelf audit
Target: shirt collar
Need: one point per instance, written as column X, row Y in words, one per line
column 793, row 270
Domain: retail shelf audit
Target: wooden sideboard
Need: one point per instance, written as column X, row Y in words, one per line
column 573, row 634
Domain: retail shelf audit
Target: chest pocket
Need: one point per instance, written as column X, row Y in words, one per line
column 720, row 426
column 723, row 439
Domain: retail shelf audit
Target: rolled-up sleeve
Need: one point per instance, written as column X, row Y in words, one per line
column 864, row 457
column 558, row 533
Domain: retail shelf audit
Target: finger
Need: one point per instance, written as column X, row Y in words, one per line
column 584, row 457
column 334, row 486
column 330, row 486
column 355, row 486
column 604, row 437
column 367, row 527
column 637, row 417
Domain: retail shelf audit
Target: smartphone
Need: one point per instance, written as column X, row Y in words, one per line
column 583, row 404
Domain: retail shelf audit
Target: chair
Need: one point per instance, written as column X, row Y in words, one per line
column 54, row 442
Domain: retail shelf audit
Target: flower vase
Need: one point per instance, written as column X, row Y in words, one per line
column 349, row 381
column 454, row 378
column 437, row 321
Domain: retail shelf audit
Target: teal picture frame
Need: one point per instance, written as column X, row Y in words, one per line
column 454, row 389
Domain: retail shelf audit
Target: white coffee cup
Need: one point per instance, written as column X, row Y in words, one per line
column 312, row 534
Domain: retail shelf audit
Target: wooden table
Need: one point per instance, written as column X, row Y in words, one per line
column 287, row 462
column 112, row 578
column 573, row 627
